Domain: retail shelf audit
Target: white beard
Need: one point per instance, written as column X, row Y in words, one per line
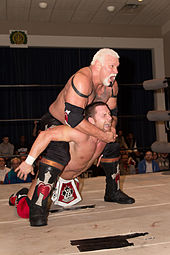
column 106, row 81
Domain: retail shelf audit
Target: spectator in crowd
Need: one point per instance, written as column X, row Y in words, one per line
column 148, row 165
column 123, row 165
column 36, row 129
column 131, row 142
column 163, row 161
column 121, row 140
column 155, row 156
column 22, row 158
column 138, row 156
column 6, row 148
column 3, row 169
column 11, row 176
column 127, row 163
column 22, row 148
column 132, row 163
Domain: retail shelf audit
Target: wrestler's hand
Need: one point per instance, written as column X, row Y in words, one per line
column 109, row 137
column 114, row 135
column 23, row 170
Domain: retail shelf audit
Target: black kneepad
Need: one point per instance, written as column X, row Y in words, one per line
column 44, row 169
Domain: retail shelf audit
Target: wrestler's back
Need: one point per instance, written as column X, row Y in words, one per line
column 57, row 107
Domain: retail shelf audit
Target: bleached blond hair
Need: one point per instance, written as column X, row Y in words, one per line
column 15, row 159
column 100, row 55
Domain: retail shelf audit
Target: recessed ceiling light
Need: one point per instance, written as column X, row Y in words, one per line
column 110, row 8
column 43, row 5
column 140, row 0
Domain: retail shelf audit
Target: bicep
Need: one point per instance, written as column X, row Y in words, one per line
column 72, row 98
column 78, row 91
column 61, row 133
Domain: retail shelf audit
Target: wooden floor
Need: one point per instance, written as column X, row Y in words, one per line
column 150, row 213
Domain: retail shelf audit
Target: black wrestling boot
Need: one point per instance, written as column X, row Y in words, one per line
column 113, row 192
column 39, row 204
column 38, row 216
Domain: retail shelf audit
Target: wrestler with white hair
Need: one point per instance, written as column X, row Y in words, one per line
column 90, row 84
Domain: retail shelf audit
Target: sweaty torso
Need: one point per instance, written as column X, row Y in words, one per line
column 101, row 93
column 83, row 154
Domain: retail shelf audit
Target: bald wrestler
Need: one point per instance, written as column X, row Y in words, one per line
column 90, row 84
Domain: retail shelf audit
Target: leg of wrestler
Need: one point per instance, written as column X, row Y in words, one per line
column 110, row 164
column 46, row 178
column 51, row 166
column 32, row 188
column 23, row 204
column 66, row 192
column 69, row 174
column 22, row 200
column 13, row 199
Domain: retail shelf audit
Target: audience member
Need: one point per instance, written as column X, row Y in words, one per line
column 138, row 156
column 131, row 142
column 6, row 148
column 148, row 165
column 11, row 176
column 155, row 156
column 3, row 170
column 22, row 148
column 123, row 165
column 22, row 158
column 121, row 140
column 36, row 129
column 132, row 163
column 163, row 161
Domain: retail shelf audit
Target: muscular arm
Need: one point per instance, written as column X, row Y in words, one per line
column 112, row 103
column 84, row 85
column 91, row 130
column 59, row 133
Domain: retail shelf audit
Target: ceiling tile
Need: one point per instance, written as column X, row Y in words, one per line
column 62, row 5
column 61, row 16
column 18, row 3
column 40, row 15
column 3, row 10
column 17, row 14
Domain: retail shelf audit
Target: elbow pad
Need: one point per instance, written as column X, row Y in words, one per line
column 114, row 112
column 73, row 114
